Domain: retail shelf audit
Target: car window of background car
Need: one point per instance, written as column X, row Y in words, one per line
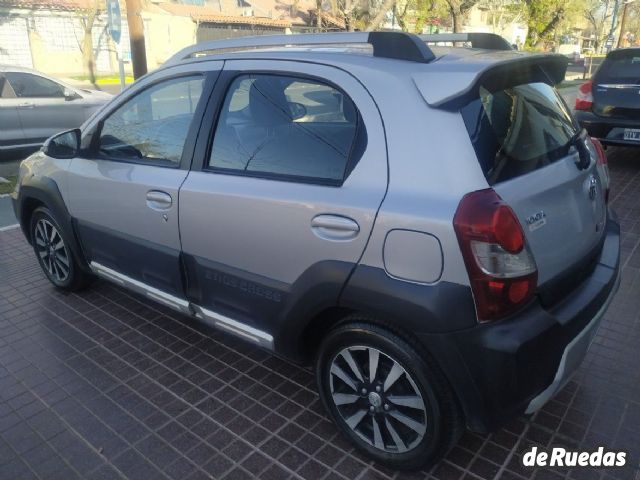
column 26, row 85
column 154, row 124
column 5, row 89
column 622, row 67
column 275, row 126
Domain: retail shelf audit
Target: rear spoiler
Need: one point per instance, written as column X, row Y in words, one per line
column 487, row 41
column 451, row 92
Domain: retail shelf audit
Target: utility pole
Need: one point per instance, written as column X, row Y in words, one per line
column 614, row 24
column 136, row 37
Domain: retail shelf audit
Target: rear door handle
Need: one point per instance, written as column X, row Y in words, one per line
column 334, row 227
column 158, row 200
column 26, row 105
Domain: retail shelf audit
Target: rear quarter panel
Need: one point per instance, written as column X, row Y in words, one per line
column 432, row 165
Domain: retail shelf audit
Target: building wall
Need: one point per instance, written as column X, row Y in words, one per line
column 51, row 42
column 165, row 35
column 14, row 41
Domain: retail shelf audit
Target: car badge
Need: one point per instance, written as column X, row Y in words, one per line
column 537, row 220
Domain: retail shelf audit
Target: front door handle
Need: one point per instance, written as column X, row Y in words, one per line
column 334, row 227
column 158, row 200
column 27, row 105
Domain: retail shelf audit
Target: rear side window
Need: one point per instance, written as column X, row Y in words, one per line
column 276, row 126
column 519, row 129
column 620, row 67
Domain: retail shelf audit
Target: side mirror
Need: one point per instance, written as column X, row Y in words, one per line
column 70, row 95
column 63, row 145
column 297, row 110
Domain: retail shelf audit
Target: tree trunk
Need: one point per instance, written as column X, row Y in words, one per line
column 87, row 54
column 455, row 20
column 377, row 20
column 550, row 26
column 318, row 17
column 345, row 9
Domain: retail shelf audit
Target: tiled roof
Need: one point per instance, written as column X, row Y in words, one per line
column 207, row 14
column 283, row 9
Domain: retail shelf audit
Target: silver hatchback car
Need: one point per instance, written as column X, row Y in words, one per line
column 425, row 225
column 34, row 106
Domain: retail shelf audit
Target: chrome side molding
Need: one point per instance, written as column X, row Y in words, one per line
column 142, row 288
column 239, row 329
column 213, row 319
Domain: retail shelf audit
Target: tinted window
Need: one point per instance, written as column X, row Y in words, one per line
column 519, row 129
column 154, row 124
column 276, row 126
column 5, row 88
column 620, row 67
column 27, row 85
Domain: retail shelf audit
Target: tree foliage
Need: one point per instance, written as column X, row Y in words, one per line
column 599, row 14
column 546, row 20
column 544, row 16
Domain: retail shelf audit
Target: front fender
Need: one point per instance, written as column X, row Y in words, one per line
column 36, row 191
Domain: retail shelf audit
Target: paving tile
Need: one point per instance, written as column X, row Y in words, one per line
column 104, row 384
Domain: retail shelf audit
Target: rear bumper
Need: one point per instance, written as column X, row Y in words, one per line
column 609, row 131
column 516, row 365
column 572, row 356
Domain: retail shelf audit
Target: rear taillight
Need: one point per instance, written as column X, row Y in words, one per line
column 584, row 100
column 501, row 269
column 603, row 167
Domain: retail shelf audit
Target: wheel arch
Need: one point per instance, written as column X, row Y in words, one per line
column 38, row 192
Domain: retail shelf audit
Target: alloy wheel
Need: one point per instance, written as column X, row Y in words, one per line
column 52, row 250
column 377, row 399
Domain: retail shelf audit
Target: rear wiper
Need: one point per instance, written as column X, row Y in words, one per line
column 578, row 141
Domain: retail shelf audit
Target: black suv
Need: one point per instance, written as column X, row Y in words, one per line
column 608, row 106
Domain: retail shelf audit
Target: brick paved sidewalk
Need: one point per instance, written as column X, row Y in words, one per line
column 105, row 384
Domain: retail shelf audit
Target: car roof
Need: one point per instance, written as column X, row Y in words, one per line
column 445, row 57
column 623, row 52
column 13, row 68
column 453, row 71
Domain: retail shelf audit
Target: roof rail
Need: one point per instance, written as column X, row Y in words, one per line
column 397, row 45
column 487, row 41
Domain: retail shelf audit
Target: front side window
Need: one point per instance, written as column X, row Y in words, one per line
column 277, row 126
column 153, row 125
column 26, row 85
column 518, row 129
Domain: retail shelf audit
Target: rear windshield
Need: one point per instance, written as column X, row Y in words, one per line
column 519, row 129
column 620, row 67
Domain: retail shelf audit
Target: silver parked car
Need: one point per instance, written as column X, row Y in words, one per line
column 427, row 226
column 34, row 106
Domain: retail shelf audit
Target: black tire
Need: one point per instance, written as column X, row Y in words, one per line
column 51, row 245
column 443, row 420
